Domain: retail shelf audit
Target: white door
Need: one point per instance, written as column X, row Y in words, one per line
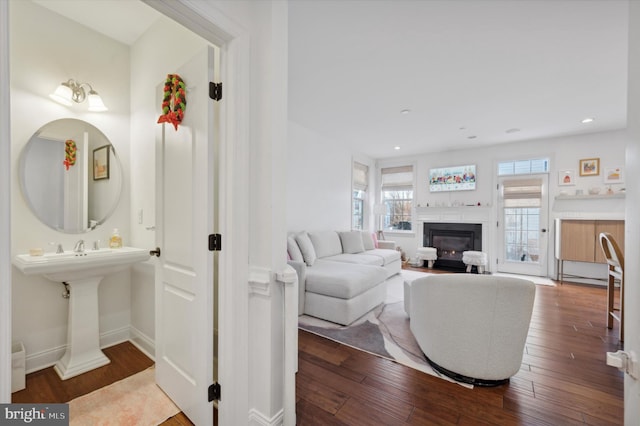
column 184, row 271
column 76, row 187
column 523, row 225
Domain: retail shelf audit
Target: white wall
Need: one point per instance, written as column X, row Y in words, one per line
column 632, row 229
column 319, row 182
column 47, row 51
column 321, row 171
column 564, row 153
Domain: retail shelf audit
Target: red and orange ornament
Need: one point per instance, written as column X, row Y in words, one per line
column 70, row 150
column 174, row 101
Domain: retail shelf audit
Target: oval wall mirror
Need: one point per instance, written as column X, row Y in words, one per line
column 70, row 176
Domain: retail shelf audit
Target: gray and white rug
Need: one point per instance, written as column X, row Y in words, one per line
column 384, row 331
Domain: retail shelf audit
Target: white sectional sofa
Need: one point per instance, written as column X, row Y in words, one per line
column 341, row 275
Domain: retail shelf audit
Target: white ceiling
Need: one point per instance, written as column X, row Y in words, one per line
column 122, row 20
column 463, row 67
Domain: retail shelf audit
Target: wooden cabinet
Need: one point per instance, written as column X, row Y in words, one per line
column 577, row 239
column 616, row 229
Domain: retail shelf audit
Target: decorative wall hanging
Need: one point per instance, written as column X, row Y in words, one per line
column 590, row 167
column 174, row 101
column 101, row 163
column 614, row 175
column 69, row 153
column 566, row 177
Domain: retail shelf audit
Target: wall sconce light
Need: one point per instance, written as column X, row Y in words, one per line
column 71, row 90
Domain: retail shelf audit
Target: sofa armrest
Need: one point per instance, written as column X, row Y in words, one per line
column 301, row 270
column 386, row 244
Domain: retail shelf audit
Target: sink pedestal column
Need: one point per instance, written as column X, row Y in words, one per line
column 83, row 334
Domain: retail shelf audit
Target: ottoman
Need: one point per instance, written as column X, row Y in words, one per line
column 474, row 258
column 429, row 254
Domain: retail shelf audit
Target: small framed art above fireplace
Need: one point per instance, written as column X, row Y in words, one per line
column 450, row 240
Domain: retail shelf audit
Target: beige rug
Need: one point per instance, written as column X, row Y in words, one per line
column 134, row 401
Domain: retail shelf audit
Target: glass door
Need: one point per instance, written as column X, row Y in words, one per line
column 523, row 224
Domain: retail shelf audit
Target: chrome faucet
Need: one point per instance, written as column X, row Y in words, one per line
column 79, row 247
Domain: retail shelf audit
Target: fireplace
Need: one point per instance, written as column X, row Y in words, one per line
column 450, row 240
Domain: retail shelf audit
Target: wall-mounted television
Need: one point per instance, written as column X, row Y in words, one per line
column 457, row 178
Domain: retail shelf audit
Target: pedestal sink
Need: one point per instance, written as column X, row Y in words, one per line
column 82, row 272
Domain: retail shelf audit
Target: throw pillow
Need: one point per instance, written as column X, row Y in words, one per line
column 293, row 250
column 351, row 242
column 375, row 240
column 306, row 247
column 367, row 240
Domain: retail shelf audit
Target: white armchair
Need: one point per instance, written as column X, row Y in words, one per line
column 472, row 328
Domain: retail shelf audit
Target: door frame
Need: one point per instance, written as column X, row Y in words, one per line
column 545, row 213
column 5, row 207
column 233, row 300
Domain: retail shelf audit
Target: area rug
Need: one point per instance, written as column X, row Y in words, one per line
column 383, row 331
column 135, row 401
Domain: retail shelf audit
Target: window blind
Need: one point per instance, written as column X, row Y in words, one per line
column 360, row 176
column 522, row 193
column 397, row 178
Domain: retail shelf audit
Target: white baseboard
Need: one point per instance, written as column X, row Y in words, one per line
column 48, row 357
column 43, row 359
column 143, row 342
column 114, row 337
column 258, row 419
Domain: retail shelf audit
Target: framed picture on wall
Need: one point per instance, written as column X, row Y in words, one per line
column 614, row 175
column 590, row 167
column 566, row 177
column 101, row 163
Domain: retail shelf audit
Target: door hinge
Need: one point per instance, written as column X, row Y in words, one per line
column 215, row 242
column 214, row 392
column 215, row 91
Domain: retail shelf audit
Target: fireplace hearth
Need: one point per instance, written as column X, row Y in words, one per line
column 450, row 240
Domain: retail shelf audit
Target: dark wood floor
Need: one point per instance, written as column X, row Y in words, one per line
column 563, row 379
column 126, row 360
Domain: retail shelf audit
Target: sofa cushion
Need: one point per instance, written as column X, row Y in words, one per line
column 357, row 258
column 351, row 242
column 375, row 240
column 387, row 256
column 294, row 251
column 367, row 240
column 342, row 280
column 306, row 247
column 326, row 243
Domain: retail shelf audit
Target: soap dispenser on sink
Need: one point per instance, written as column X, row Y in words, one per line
column 115, row 242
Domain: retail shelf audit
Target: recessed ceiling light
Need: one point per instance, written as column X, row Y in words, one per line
column 587, row 120
column 512, row 130
column 462, row 128
column 471, row 137
column 396, row 148
column 405, row 111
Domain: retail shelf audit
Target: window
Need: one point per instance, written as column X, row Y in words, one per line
column 360, row 180
column 397, row 198
column 523, row 167
column 522, row 201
